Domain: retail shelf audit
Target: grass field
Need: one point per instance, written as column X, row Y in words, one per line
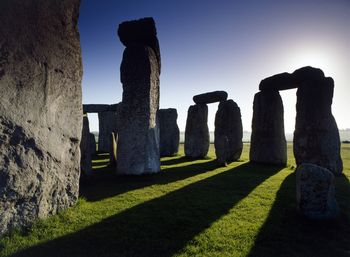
column 191, row 208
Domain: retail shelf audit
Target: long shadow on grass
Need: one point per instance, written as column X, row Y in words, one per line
column 178, row 160
column 106, row 184
column 162, row 226
column 286, row 233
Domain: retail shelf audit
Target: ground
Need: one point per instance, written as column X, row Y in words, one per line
column 191, row 208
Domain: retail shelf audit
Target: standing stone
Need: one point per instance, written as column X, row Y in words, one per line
column 85, row 149
column 169, row 132
column 228, row 132
column 138, row 130
column 316, row 136
column 107, row 124
column 268, row 143
column 92, row 143
column 113, row 150
column 315, row 192
column 143, row 32
column 197, row 132
column 40, row 109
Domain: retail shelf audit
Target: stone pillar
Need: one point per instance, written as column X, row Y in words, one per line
column 40, row 109
column 113, row 150
column 197, row 132
column 169, row 132
column 228, row 132
column 268, row 143
column 92, row 143
column 85, row 149
column 316, row 136
column 138, row 130
column 107, row 124
column 316, row 192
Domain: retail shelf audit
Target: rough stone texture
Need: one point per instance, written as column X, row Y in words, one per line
column 316, row 192
column 169, row 132
column 107, row 122
column 138, row 131
column 40, row 109
column 210, row 97
column 228, row 132
column 91, row 108
column 197, row 132
column 113, row 150
column 268, row 143
column 286, row 80
column 85, row 149
column 143, row 32
column 92, row 143
column 316, row 135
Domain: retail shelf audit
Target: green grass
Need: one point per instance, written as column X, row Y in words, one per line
column 191, row 208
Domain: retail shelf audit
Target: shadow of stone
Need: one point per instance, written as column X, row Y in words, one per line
column 162, row 226
column 174, row 161
column 286, row 233
column 104, row 184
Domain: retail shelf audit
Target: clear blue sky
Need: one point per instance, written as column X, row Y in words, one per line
column 221, row 45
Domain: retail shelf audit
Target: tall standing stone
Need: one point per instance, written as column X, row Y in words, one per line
column 169, row 132
column 197, row 132
column 268, row 143
column 316, row 135
column 85, row 149
column 316, row 192
column 40, row 109
column 107, row 124
column 228, row 132
column 92, row 143
column 113, row 150
column 138, row 131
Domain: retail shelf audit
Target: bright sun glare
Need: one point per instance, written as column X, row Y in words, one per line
column 318, row 58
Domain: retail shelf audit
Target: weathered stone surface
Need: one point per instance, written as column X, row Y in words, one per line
column 210, row 97
column 268, row 143
column 228, row 132
column 96, row 108
column 113, row 150
column 40, row 109
column 286, row 80
column 138, row 130
column 107, row 124
column 92, row 143
column 169, row 132
column 143, row 32
column 316, row 192
column 316, row 135
column 197, row 131
column 85, row 149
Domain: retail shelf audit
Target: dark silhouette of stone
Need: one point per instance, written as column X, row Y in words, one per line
column 197, row 132
column 40, row 109
column 316, row 192
column 85, row 149
column 113, row 150
column 138, row 131
column 96, row 108
column 92, row 143
column 228, row 132
column 268, row 143
column 143, row 32
column 211, row 97
column 286, row 80
column 107, row 125
column 169, row 132
column 316, row 135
